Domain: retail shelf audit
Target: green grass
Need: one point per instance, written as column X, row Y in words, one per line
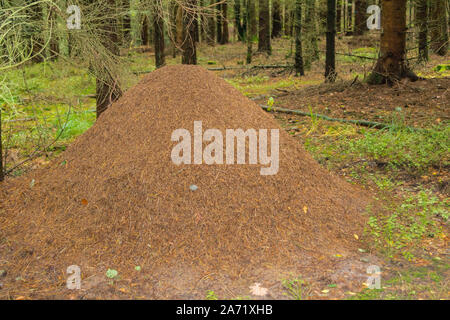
column 413, row 151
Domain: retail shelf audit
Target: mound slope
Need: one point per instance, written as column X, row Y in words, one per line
column 115, row 199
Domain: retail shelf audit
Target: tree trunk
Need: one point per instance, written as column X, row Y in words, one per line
column 311, row 30
column 251, row 31
column 276, row 19
column 264, row 44
column 145, row 31
column 299, row 67
column 439, row 30
column 338, row 15
column 2, row 170
column 158, row 29
column 54, row 41
column 422, row 24
column 211, row 32
column 237, row 20
column 391, row 64
column 330, row 63
column 219, row 19
column 173, row 28
column 225, row 33
column 108, row 89
column 360, row 17
column 189, row 46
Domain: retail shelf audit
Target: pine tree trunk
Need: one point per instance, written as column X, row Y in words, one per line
column 145, row 31
column 211, row 37
column 439, row 29
column 54, row 41
column 237, row 20
column 299, row 67
column 219, row 20
column 251, row 32
column 330, row 63
column 276, row 19
column 108, row 89
column 158, row 30
column 391, row 64
column 225, row 32
column 264, row 44
column 173, row 28
column 338, row 15
column 311, row 30
column 360, row 17
column 422, row 24
column 2, row 170
column 189, row 45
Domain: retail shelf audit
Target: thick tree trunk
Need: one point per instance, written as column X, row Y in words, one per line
column 189, row 46
column 276, row 19
column 299, row 67
column 108, row 89
column 330, row 63
column 158, row 31
column 422, row 24
column 264, row 44
column 238, row 20
column 360, row 17
column 391, row 64
column 439, row 29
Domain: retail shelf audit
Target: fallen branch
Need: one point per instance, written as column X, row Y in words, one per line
column 364, row 123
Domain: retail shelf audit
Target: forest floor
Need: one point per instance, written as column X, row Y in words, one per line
column 406, row 166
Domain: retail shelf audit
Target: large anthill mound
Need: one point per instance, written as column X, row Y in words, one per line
column 116, row 200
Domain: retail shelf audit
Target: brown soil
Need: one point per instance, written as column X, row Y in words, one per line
column 422, row 103
column 115, row 200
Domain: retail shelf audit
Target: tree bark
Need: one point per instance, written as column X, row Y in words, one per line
column 145, row 31
column 299, row 67
column 2, row 169
column 330, row 63
column 439, row 30
column 311, row 30
column 391, row 64
column 264, row 44
column 108, row 89
column 251, row 31
column 219, row 19
column 276, row 19
column 158, row 29
column 338, row 15
column 238, row 20
column 211, row 32
column 422, row 24
column 360, row 17
column 189, row 45
column 225, row 33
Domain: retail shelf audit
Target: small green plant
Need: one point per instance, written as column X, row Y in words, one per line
column 405, row 225
column 211, row 295
column 295, row 288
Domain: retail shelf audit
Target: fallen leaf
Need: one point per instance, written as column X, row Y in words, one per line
column 257, row 290
column 84, row 202
column 305, row 209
